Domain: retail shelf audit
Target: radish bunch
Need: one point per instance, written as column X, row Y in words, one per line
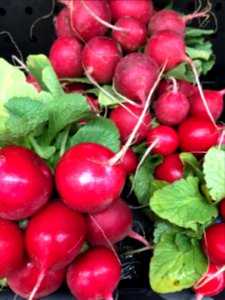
column 113, row 116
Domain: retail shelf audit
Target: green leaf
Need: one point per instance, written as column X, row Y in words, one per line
column 202, row 52
column 177, row 263
column 182, row 204
column 198, row 32
column 98, row 130
column 191, row 166
column 108, row 98
column 214, row 170
column 50, row 80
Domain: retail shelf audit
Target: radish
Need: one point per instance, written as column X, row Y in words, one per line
column 172, row 107
column 222, row 208
column 140, row 9
column 196, row 135
column 62, row 24
column 83, row 23
column 213, row 243
column 23, row 279
column 100, row 57
column 170, row 169
column 168, row 19
column 11, row 247
column 112, row 225
column 212, row 287
column 126, row 117
column 185, row 87
column 65, row 56
column 94, row 274
column 129, row 161
column 166, row 137
column 214, row 101
column 53, row 238
column 134, row 35
column 26, row 183
column 86, row 180
column 135, row 75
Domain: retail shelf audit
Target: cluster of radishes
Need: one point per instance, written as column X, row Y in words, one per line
column 129, row 45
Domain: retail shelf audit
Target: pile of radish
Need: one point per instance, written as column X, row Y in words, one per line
column 117, row 105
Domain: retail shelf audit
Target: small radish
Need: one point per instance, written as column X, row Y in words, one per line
column 170, row 169
column 166, row 139
column 172, row 107
column 212, row 287
column 26, row 183
column 196, row 135
column 222, row 208
column 83, row 23
column 168, row 19
column 134, row 35
column 62, row 24
column 214, row 101
column 112, row 225
column 86, row 180
column 185, row 87
column 140, row 9
column 94, row 274
column 100, row 57
column 65, row 56
column 12, row 247
column 23, row 279
column 126, row 117
column 213, row 243
column 129, row 161
column 135, row 76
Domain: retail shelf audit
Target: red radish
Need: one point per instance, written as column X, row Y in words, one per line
column 135, row 76
column 26, row 183
column 213, row 243
column 171, row 169
column 32, row 80
column 126, row 117
column 140, row 9
column 212, row 287
column 134, row 35
column 83, row 23
column 172, row 107
column 214, row 101
column 222, row 208
column 23, row 279
column 168, row 19
column 86, row 180
column 94, row 274
column 62, row 24
column 54, row 244
column 11, row 247
column 112, row 225
column 196, row 135
column 129, row 161
column 65, row 56
column 100, row 57
column 167, row 140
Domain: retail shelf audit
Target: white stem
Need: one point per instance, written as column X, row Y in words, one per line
column 175, row 87
column 13, row 42
column 208, row 279
column 22, row 65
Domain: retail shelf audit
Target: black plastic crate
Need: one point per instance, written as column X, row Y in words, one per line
column 26, row 27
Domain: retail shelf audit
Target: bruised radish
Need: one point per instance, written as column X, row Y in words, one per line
column 94, row 274
column 65, row 56
column 62, row 24
column 26, row 183
column 11, row 247
column 213, row 243
column 172, row 107
column 168, row 19
column 87, row 180
column 83, row 21
column 126, row 117
column 214, row 101
column 196, row 135
column 135, row 76
column 222, row 208
column 112, row 225
column 129, row 161
column 165, row 140
column 134, row 35
column 170, row 169
column 100, row 57
column 212, row 287
column 140, row 9
column 23, row 279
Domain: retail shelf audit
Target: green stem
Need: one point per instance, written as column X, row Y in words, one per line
column 35, row 146
column 64, row 141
